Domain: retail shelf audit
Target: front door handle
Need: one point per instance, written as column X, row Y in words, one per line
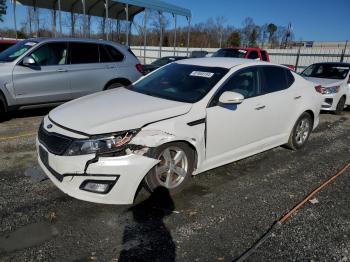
column 260, row 107
column 62, row 70
column 297, row 97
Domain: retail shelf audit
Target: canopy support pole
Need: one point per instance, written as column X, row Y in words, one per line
column 54, row 19
column 84, row 22
column 60, row 16
column 14, row 17
column 107, row 27
column 160, row 33
column 175, row 29
column 188, row 35
column 127, row 26
column 144, row 36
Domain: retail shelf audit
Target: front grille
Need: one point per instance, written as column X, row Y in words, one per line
column 55, row 143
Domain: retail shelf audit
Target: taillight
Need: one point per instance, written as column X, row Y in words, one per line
column 139, row 68
column 319, row 89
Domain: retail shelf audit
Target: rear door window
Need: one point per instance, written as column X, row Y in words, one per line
column 290, row 77
column 105, row 57
column 274, row 79
column 83, row 53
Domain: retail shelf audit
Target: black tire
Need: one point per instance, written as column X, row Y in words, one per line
column 340, row 106
column 295, row 141
column 3, row 107
column 152, row 180
column 114, row 85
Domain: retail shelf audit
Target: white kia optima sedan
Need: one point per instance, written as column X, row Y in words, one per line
column 333, row 80
column 182, row 119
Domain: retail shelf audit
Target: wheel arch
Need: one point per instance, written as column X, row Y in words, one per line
column 3, row 101
column 311, row 113
column 120, row 80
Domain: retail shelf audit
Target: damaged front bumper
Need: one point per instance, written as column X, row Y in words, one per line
column 70, row 173
column 119, row 174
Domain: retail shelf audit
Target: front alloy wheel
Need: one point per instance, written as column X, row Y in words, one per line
column 174, row 168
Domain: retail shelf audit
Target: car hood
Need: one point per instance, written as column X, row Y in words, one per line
column 115, row 110
column 325, row 82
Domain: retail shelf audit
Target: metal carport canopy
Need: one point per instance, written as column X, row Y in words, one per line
column 116, row 8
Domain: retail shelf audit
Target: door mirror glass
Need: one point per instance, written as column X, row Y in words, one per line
column 229, row 97
column 28, row 61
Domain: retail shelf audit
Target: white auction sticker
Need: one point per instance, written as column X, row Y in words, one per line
column 202, row 74
column 30, row 43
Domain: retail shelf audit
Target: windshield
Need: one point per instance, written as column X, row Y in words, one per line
column 183, row 83
column 16, row 51
column 230, row 52
column 330, row 71
column 162, row 61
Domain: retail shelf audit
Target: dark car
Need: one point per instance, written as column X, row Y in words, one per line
column 4, row 44
column 161, row 62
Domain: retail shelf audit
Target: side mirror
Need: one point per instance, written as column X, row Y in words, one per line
column 349, row 80
column 28, row 61
column 229, row 97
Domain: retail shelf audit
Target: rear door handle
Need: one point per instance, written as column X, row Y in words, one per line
column 260, row 107
column 62, row 70
column 297, row 97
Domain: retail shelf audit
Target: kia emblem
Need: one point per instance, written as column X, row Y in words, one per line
column 49, row 126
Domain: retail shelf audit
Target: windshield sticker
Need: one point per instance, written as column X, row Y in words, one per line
column 202, row 74
column 242, row 51
column 30, row 43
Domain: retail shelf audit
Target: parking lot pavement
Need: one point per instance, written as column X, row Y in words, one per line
column 221, row 213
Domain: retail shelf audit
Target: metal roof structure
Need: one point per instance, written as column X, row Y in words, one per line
column 112, row 9
column 116, row 8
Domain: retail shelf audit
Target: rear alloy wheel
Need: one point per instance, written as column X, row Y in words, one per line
column 301, row 132
column 173, row 170
column 340, row 106
column 115, row 85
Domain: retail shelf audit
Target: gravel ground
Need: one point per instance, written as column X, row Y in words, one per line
column 220, row 215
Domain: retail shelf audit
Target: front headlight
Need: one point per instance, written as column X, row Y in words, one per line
column 101, row 144
column 331, row 90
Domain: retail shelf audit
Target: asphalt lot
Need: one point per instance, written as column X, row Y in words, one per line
column 221, row 214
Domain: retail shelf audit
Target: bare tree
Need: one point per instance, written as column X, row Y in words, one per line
column 220, row 21
column 3, row 9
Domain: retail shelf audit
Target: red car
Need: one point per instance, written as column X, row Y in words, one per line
column 243, row 52
column 4, row 44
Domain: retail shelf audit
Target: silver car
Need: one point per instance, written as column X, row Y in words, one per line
column 49, row 71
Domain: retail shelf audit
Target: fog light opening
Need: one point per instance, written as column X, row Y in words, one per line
column 98, row 186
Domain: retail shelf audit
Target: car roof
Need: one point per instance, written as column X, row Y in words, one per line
column 74, row 39
column 173, row 57
column 225, row 62
column 333, row 63
column 244, row 48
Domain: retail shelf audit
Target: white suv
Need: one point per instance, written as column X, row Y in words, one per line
column 45, row 71
column 333, row 80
